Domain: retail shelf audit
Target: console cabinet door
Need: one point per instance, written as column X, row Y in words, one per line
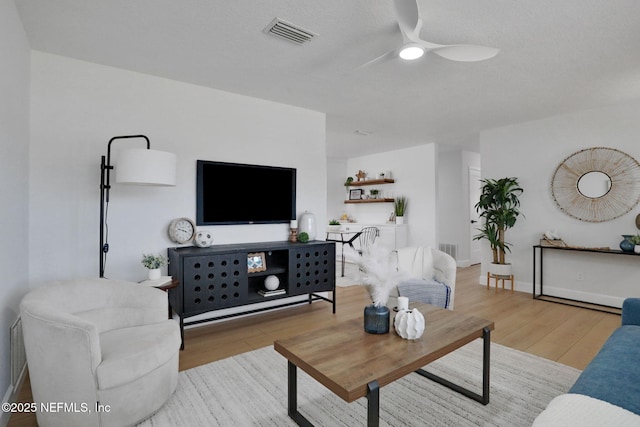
column 312, row 269
column 214, row 281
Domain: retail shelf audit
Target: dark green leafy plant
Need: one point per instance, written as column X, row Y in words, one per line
column 400, row 205
column 303, row 237
column 334, row 222
column 634, row 239
column 499, row 207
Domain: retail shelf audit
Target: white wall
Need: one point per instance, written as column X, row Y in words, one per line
column 78, row 106
column 14, row 179
column 453, row 200
column 531, row 152
column 336, row 191
column 414, row 170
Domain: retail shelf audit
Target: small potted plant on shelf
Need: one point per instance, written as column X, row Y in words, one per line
column 334, row 225
column 400, row 208
column 153, row 263
column 374, row 193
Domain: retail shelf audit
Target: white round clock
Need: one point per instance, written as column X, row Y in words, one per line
column 203, row 239
column 182, row 230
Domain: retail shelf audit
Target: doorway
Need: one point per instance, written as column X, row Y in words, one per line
column 475, row 185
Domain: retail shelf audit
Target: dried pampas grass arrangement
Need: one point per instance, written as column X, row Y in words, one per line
column 377, row 270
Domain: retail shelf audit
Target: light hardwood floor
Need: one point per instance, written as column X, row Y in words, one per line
column 569, row 335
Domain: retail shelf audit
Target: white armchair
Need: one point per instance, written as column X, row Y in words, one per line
column 99, row 342
column 427, row 264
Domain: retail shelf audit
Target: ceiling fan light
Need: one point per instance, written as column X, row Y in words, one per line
column 411, row 52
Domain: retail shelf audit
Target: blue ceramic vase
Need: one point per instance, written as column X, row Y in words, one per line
column 376, row 319
column 626, row 245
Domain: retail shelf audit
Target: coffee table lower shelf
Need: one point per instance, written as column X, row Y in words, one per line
column 373, row 388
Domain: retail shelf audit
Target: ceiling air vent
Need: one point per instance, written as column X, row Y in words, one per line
column 288, row 31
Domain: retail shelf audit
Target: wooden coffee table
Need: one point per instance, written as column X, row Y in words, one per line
column 354, row 364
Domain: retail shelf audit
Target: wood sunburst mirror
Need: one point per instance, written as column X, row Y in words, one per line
column 597, row 184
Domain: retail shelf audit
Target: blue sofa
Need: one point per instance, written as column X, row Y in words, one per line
column 608, row 390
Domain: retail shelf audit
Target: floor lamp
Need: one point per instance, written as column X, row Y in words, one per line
column 138, row 166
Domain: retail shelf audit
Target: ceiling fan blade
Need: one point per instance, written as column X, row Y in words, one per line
column 408, row 16
column 464, row 52
column 392, row 54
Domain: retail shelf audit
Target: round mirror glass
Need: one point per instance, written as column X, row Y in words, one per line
column 594, row 184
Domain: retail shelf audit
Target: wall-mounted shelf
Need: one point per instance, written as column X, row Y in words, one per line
column 370, row 201
column 371, row 182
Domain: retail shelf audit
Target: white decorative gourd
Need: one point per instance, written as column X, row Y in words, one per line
column 409, row 324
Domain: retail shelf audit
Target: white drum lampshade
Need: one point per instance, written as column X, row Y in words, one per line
column 146, row 167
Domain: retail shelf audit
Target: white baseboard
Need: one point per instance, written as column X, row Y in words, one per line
column 10, row 396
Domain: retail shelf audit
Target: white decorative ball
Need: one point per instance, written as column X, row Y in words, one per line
column 271, row 283
column 203, row 239
column 409, row 324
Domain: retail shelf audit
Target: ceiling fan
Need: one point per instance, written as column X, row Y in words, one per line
column 413, row 47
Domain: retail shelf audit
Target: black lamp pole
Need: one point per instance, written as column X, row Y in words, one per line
column 105, row 171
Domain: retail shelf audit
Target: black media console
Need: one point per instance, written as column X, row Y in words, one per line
column 218, row 277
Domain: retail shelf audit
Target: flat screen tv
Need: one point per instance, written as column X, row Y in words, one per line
column 234, row 193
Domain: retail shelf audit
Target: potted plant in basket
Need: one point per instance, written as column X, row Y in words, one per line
column 499, row 207
column 153, row 263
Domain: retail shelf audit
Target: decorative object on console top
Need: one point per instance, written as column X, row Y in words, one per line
column 181, row 230
column 308, row 225
column 552, row 238
column 635, row 241
column 203, row 239
column 293, row 230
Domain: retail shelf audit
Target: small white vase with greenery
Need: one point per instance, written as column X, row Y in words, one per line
column 400, row 208
column 153, row 263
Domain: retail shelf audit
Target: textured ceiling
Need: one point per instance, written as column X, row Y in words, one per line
column 556, row 57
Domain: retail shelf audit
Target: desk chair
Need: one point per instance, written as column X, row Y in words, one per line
column 367, row 238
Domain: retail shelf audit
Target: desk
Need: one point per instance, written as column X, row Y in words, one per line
column 342, row 240
column 584, row 304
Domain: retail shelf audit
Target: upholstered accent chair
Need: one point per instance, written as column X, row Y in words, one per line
column 101, row 345
column 430, row 273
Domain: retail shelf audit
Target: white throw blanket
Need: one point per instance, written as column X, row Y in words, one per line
column 568, row 410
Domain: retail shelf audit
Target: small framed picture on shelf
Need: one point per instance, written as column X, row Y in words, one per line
column 355, row 194
column 256, row 262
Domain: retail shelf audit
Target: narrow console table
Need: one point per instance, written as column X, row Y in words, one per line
column 226, row 276
column 578, row 303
